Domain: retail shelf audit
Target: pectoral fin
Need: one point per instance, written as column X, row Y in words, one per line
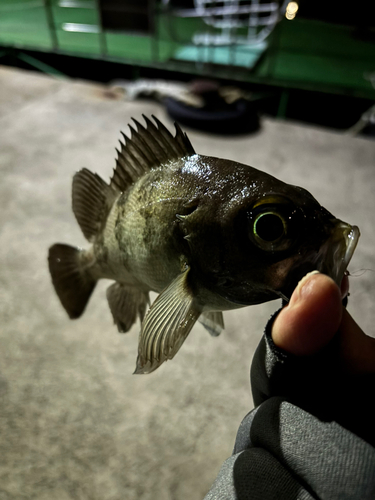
column 167, row 324
column 213, row 322
column 126, row 303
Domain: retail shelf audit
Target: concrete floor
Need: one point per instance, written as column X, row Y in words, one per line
column 74, row 422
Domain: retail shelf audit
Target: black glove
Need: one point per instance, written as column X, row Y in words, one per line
column 318, row 384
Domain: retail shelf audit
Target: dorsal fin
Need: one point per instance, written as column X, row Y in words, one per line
column 148, row 147
column 92, row 200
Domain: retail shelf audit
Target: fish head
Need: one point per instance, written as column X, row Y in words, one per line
column 260, row 246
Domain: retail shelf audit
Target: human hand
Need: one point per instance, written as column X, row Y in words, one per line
column 315, row 356
column 312, row 429
column 314, row 316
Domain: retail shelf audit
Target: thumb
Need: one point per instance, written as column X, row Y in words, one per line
column 311, row 318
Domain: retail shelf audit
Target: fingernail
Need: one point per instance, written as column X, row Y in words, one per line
column 301, row 291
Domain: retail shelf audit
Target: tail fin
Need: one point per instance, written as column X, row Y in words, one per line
column 72, row 281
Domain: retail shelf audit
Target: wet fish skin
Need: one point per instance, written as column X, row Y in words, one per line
column 183, row 225
column 182, row 216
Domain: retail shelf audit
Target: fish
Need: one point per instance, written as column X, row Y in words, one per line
column 206, row 234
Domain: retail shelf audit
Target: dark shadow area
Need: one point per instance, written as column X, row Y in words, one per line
column 334, row 111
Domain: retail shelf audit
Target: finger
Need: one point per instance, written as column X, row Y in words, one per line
column 311, row 318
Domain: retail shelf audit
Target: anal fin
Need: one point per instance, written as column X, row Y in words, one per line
column 167, row 324
column 213, row 322
column 126, row 304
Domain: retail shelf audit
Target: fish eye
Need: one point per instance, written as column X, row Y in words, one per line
column 269, row 227
column 273, row 226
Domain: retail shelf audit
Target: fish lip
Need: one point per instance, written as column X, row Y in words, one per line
column 338, row 250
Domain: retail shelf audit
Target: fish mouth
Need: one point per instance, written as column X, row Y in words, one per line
column 332, row 258
column 338, row 250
